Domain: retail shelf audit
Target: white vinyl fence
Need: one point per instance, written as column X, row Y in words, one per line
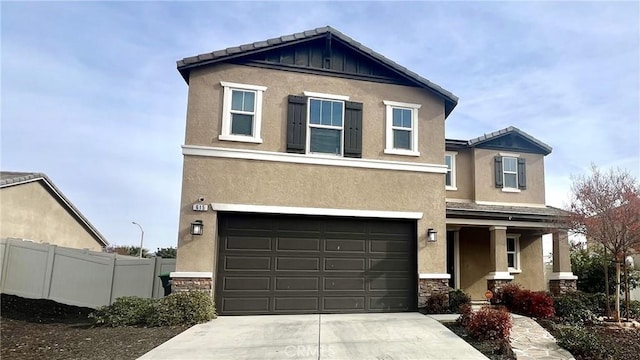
column 77, row 277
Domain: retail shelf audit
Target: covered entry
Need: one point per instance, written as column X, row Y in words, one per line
column 281, row 264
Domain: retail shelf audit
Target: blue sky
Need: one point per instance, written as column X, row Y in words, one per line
column 91, row 96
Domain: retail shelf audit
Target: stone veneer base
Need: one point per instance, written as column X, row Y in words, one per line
column 185, row 282
column 562, row 286
column 430, row 287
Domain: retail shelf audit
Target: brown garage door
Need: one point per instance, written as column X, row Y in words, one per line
column 275, row 264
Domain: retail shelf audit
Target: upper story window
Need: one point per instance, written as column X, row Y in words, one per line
column 324, row 124
column 450, row 177
column 510, row 172
column 241, row 112
column 402, row 128
column 513, row 253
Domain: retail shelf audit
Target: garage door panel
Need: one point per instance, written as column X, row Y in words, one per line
column 297, row 304
column 248, row 243
column 345, row 226
column 389, row 265
column 391, row 227
column 245, row 304
column 343, row 303
column 297, row 283
column 344, row 264
column 388, row 303
column 344, row 284
column 389, row 246
column 238, row 223
column 343, row 245
column 286, row 224
column 386, row 283
column 297, row 244
column 297, row 264
column 247, row 263
column 246, row 283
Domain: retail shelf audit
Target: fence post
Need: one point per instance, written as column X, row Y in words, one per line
column 48, row 273
column 113, row 275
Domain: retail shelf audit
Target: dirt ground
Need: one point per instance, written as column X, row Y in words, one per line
column 43, row 329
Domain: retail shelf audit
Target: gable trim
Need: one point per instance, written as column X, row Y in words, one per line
column 310, row 159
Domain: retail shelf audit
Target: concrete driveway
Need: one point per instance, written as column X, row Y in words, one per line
column 349, row 336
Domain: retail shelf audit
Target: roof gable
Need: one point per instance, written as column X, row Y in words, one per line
column 512, row 139
column 325, row 51
column 11, row 178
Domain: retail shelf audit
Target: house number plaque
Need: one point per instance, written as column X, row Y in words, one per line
column 200, row 207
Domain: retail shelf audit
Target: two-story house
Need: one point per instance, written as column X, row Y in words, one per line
column 317, row 179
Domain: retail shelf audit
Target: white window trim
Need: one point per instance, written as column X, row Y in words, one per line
column 453, row 185
column 294, row 210
column 504, row 182
column 330, row 97
column 517, row 269
column 226, row 134
column 389, row 128
column 326, row 96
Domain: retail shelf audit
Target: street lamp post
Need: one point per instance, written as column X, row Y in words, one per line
column 141, row 237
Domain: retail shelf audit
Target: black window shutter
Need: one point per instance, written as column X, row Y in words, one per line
column 352, row 129
column 522, row 173
column 297, row 124
column 498, row 170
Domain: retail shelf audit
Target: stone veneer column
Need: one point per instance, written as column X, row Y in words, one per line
column 499, row 274
column 191, row 281
column 562, row 279
column 430, row 285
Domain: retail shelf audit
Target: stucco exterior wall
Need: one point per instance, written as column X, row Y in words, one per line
column 464, row 176
column 531, row 263
column 485, row 189
column 257, row 182
column 30, row 212
column 204, row 113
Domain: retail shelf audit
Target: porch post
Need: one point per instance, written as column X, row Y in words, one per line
column 562, row 279
column 499, row 274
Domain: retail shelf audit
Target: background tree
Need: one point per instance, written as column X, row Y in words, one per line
column 166, row 253
column 605, row 208
column 128, row 250
column 586, row 264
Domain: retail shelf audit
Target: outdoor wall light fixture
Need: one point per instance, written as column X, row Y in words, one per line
column 197, row 227
column 432, row 235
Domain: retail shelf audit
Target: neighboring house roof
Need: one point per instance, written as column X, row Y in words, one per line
column 507, row 139
column 13, row 178
column 185, row 65
column 529, row 213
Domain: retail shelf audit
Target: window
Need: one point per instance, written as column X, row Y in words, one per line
column 513, row 253
column 241, row 112
column 510, row 172
column 325, row 126
column 450, row 177
column 402, row 128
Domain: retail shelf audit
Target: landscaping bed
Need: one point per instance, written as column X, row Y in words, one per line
column 44, row 329
column 493, row 349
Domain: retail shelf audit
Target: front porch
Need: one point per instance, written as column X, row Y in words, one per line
column 492, row 245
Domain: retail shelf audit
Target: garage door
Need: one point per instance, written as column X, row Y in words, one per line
column 275, row 264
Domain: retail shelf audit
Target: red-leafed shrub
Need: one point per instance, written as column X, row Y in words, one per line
column 465, row 314
column 525, row 302
column 489, row 324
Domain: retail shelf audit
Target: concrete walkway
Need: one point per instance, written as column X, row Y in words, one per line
column 529, row 340
column 349, row 336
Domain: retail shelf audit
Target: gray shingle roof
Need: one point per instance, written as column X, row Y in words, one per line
column 13, row 178
column 511, row 129
column 547, row 211
column 207, row 58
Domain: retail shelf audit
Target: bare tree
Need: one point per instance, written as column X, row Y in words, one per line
column 605, row 208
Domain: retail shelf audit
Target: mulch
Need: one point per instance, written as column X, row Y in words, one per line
column 44, row 329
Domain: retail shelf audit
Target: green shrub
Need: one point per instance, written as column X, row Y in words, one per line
column 575, row 308
column 183, row 308
column 458, row 298
column 488, row 324
column 583, row 343
column 125, row 311
column 437, row 304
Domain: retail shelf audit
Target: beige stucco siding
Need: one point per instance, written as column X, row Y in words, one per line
column 531, row 263
column 204, row 116
column 464, row 176
column 255, row 182
column 485, row 189
column 29, row 211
